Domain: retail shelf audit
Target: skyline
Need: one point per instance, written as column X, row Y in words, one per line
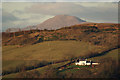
column 22, row 14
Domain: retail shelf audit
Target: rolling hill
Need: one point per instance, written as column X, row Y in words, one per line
column 9, row 65
column 103, row 34
column 15, row 57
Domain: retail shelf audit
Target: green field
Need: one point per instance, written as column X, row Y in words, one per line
column 51, row 51
column 113, row 54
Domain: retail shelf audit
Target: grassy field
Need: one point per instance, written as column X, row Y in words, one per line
column 51, row 51
column 46, row 51
column 112, row 54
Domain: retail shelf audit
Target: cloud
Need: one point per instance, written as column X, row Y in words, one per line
column 21, row 19
column 15, row 16
column 105, row 12
column 6, row 17
column 54, row 8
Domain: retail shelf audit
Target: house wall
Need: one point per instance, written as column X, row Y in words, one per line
column 85, row 63
column 95, row 63
column 81, row 63
column 88, row 63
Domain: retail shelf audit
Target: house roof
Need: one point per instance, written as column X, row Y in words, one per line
column 87, row 61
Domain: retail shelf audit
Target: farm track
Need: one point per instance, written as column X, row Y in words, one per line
column 27, row 69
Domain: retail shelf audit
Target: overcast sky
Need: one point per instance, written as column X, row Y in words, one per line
column 22, row 14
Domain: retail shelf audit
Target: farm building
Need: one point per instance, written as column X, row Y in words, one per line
column 85, row 62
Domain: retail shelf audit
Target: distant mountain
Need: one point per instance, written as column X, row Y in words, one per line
column 29, row 27
column 59, row 21
column 56, row 22
column 12, row 29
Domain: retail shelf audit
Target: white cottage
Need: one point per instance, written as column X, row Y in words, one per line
column 85, row 62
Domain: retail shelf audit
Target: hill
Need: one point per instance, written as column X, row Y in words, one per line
column 102, row 34
column 57, row 22
column 30, row 52
column 104, row 59
column 15, row 57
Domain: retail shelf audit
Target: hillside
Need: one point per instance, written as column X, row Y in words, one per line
column 103, row 34
column 107, row 58
column 28, row 53
column 50, row 48
column 15, row 57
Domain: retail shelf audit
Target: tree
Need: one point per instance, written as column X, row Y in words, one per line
column 19, row 30
column 8, row 30
column 14, row 34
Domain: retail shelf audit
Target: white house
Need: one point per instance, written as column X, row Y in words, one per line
column 85, row 62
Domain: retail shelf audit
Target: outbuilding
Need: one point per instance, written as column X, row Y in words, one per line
column 85, row 62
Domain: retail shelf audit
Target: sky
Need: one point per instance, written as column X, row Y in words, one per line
column 23, row 14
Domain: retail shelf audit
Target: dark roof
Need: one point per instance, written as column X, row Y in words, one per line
column 88, row 62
